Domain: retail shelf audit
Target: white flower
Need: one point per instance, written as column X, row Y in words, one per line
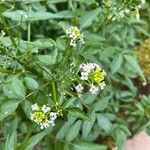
column 102, row 85
column 41, row 126
column 87, row 67
column 53, row 116
column 94, row 89
column 91, row 66
column 84, row 76
column 97, row 66
column 75, row 36
column 45, row 124
column 126, row 11
column 35, row 107
column 82, row 41
column 73, row 43
column 45, row 109
column 68, row 31
column 121, row 13
column 79, row 88
column 71, row 35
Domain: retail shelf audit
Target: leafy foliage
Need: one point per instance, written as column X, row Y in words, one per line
column 39, row 65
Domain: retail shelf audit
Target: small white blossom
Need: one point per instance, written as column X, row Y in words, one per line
column 126, row 11
column 82, row 41
column 94, row 89
column 121, row 14
column 84, row 76
column 102, row 85
column 75, row 36
column 91, row 66
column 73, row 43
column 87, row 67
column 45, row 124
column 45, row 109
column 53, row 116
column 35, row 107
column 79, row 88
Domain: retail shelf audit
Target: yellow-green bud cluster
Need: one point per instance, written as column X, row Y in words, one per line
column 74, row 36
column 43, row 116
column 93, row 74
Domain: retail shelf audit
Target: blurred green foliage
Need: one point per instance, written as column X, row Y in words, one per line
column 35, row 63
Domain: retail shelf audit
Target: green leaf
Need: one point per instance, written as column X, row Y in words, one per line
column 31, row 83
column 41, row 43
column 76, row 112
column 11, row 141
column 37, row 15
column 68, row 102
column 87, row 125
column 101, row 104
column 64, row 14
column 88, row 97
column 133, row 62
column 8, row 108
column 34, row 45
column 13, row 125
column 35, row 139
column 48, row 59
column 26, row 106
column 116, row 64
column 64, row 129
column 18, row 88
column 57, row 1
column 90, row 51
column 7, row 89
column 88, row 18
column 73, row 131
column 15, row 89
column 104, row 123
column 86, row 2
column 121, row 139
column 81, row 145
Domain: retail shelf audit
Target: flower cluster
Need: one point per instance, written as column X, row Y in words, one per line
column 93, row 74
column 74, row 35
column 43, row 116
column 133, row 9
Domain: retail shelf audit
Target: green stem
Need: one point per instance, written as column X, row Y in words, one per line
column 29, row 27
column 28, row 134
column 54, row 91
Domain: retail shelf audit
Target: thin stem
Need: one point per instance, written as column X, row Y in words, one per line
column 29, row 26
column 54, row 91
